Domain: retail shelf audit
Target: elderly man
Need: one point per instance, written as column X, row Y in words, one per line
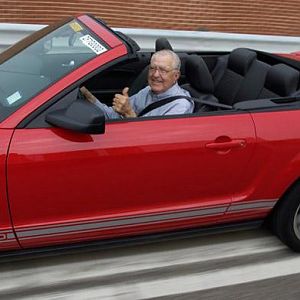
column 164, row 71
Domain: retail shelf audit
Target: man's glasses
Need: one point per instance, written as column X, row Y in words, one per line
column 161, row 71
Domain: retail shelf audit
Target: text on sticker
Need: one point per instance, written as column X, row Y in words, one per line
column 94, row 45
column 14, row 98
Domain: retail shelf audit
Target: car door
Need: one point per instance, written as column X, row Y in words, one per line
column 139, row 176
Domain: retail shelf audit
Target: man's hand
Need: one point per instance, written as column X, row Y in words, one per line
column 87, row 94
column 122, row 105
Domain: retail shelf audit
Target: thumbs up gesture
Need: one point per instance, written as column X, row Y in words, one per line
column 122, row 105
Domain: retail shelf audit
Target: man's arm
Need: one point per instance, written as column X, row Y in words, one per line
column 108, row 111
column 88, row 95
column 121, row 105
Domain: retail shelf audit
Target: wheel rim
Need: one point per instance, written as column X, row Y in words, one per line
column 297, row 222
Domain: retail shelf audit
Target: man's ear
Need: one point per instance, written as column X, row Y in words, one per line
column 177, row 75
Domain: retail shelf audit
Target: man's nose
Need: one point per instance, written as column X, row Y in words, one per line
column 156, row 72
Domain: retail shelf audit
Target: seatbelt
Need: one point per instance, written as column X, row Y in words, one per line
column 157, row 104
column 164, row 101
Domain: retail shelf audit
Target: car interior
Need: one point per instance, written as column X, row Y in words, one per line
column 243, row 79
column 236, row 79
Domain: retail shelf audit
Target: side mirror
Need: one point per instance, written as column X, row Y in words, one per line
column 81, row 116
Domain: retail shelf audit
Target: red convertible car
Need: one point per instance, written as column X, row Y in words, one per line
column 69, row 176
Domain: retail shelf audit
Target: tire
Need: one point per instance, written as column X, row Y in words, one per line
column 286, row 219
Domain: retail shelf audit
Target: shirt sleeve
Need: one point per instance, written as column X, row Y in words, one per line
column 108, row 111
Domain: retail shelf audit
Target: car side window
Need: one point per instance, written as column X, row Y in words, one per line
column 37, row 119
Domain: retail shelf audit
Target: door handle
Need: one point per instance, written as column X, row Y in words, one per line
column 226, row 145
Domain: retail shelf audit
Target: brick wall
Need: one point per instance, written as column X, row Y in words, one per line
column 244, row 16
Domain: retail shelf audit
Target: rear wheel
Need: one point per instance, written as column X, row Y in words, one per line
column 286, row 219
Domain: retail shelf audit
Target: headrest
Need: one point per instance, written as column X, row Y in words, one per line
column 198, row 75
column 162, row 44
column 282, row 80
column 240, row 60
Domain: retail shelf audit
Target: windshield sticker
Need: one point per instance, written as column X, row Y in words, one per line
column 76, row 27
column 94, row 45
column 13, row 98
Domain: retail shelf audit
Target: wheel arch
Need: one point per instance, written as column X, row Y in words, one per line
column 285, row 193
column 270, row 219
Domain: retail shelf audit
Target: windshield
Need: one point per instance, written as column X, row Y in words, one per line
column 44, row 62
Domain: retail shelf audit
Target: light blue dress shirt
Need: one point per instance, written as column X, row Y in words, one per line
column 145, row 97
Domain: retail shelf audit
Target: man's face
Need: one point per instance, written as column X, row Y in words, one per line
column 162, row 74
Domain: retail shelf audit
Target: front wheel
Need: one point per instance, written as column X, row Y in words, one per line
column 286, row 219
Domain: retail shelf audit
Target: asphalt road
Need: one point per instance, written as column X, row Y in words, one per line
column 249, row 264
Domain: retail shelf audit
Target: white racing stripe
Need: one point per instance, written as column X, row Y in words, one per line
column 264, row 204
column 6, row 236
column 121, row 222
column 64, row 229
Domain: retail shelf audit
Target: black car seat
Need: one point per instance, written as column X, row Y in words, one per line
column 281, row 81
column 239, row 62
column 141, row 80
column 200, row 83
column 162, row 44
column 219, row 69
column 253, row 82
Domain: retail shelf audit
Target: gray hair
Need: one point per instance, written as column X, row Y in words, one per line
column 172, row 54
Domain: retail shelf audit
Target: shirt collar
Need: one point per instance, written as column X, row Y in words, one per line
column 168, row 93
